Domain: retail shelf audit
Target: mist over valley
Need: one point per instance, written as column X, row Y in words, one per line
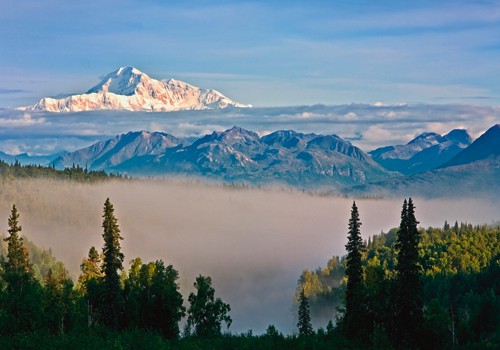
column 253, row 243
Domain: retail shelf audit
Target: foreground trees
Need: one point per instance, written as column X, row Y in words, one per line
column 20, row 292
column 453, row 271
column 112, row 299
column 354, row 302
column 408, row 291
column 205, row 313
column 153, row 300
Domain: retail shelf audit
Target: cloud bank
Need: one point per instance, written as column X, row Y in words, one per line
column 366, row 126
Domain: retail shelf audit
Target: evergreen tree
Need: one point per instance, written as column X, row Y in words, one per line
column 17, row 255
column 408, row 298
column 21, row 306
column 354, row 313
column 205, row 313
column 304, row 325
column 112, row 301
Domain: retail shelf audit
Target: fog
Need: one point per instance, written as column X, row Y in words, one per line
column 253, row 243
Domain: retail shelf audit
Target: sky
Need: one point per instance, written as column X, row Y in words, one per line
column 266, row 53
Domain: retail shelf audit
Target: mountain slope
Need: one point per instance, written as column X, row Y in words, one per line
column 106, row 154
column 307, row 161
column 486, row 146
column 130, row 89
column 474, row 172
column 426, row 152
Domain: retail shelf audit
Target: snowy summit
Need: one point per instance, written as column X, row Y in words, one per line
column 128, row 88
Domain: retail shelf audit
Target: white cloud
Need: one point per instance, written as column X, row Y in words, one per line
column 25, row 120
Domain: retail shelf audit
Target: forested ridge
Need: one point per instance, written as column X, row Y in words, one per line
column 75, row 172
column 460, row 275
column 409, row 288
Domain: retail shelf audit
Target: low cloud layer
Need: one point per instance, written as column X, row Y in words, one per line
column 367, row 126
column 253, row 243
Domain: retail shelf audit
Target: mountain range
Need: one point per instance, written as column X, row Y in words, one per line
column 128, row 88
column 447, row 165
column 474, row 171
column 425, row 152
column 306, row 160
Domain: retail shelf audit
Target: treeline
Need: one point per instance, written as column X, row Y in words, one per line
column 459, row 271
column 405, row 289
column 75, row 172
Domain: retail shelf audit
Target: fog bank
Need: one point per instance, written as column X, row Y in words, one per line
column 253, row 243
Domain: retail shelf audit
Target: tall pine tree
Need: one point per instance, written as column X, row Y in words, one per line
column 354, row 312
column 21, row 305
column 408, row 291
column 112, row 302
column 17, row 254
column 304, row 325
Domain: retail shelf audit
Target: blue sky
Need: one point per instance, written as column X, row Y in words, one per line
column 267, row 53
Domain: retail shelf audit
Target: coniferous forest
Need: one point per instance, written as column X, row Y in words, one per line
column 409, row 288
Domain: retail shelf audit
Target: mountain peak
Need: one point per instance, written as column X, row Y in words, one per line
column 487, row 145
column 459, row 136
column 128, row 88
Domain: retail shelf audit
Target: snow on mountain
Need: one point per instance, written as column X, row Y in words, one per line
column 130, row 89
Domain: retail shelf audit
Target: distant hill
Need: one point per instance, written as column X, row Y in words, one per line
column 425, row 152
column 26, row 159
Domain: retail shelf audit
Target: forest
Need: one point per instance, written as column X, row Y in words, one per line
column 409, row 288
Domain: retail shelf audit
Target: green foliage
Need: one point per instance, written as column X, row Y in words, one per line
column 408, row 292
column 354, row 301
column 205, row 313
column 20, row 294
column 112, row 300
column 75, row 172
column 460, row 275
column 153, row 301
column 461, row 286
column 60, row 302
column 17, row 255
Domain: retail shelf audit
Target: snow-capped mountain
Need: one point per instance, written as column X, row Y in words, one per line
column 130, row 89
column 425, row 152
column 303, row 160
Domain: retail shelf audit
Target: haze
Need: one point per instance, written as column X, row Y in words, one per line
column 253, row 243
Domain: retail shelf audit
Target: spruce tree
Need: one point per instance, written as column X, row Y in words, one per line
column 408, row 292
column 21, row 305
column 353, row 317
column 304, row 324
column 112, row 301
column 17, row 255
